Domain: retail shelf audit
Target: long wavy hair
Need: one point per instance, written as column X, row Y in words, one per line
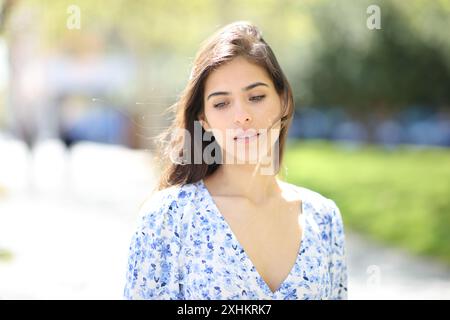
column 239, row 38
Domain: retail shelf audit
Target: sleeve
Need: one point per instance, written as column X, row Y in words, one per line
column 152, row 271
column 338, row 261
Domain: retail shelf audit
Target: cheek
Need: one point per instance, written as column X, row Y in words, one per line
column 217, row 120
column 218, row 123
column 275, row 105
column 269, row 112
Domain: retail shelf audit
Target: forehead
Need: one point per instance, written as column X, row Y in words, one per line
column 234, row 75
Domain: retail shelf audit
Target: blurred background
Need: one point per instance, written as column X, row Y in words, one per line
column 84, row 86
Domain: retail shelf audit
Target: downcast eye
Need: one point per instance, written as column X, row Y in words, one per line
column 219, row 105
column 257, row 98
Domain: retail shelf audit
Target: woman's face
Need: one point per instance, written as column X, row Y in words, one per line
column 240, row 101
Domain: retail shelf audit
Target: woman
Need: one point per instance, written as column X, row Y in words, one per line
column 222, row 225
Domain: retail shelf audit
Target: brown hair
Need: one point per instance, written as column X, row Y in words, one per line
column 239, row 38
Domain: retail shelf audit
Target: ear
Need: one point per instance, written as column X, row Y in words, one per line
column 282, row 104
column 204, row 124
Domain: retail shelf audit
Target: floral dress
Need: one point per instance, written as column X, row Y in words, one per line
column 184, row 249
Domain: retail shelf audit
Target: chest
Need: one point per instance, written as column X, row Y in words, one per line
column 270, row 235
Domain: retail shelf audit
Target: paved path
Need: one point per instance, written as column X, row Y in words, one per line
column 380, row 272
column 62, row 249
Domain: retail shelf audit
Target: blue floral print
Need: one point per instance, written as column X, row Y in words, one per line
column 184, row 249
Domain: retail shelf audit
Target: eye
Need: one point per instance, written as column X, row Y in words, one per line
column 257, row 98
column 219, row 105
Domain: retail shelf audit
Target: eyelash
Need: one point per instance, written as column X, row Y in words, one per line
column 258, row 99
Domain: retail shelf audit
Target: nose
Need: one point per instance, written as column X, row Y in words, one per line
column 241, row 115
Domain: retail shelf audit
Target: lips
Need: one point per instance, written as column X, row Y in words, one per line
column 246, row 137
column 247, row 134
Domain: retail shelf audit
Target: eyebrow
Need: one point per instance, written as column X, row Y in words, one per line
column 249, row 87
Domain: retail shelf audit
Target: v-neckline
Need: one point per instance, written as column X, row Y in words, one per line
column 260, row 280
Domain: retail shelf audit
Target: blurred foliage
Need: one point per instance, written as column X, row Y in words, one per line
column 5, row 255
column 406, row 62
column 329, row 54
column 398, row 197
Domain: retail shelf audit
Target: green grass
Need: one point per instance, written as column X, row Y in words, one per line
column 399, row 197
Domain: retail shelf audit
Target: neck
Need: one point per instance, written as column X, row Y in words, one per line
column 244, row 181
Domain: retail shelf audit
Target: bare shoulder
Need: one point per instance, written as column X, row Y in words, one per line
column 315, row 198
column 290, row 191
